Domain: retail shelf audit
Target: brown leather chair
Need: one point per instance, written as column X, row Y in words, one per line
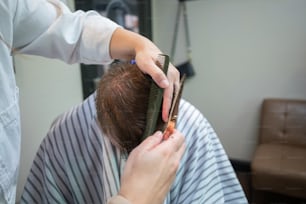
column 279, row 163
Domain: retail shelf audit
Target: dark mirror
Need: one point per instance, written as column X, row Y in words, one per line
column 134, row 15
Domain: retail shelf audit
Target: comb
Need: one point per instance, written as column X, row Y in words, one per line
column 155, row 99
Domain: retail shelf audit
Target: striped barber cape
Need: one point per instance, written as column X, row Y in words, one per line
column 76, row 163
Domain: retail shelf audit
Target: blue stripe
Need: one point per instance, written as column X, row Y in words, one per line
column 76, row 150
column 28, row 193
column 68, row 160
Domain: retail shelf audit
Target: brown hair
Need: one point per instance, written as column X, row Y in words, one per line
column 122, row 102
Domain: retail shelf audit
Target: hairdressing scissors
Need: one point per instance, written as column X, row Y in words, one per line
column 171, row 124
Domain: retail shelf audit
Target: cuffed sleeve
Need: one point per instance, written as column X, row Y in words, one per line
column 59, row 33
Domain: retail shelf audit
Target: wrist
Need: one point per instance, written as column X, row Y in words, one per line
column 134, row 197
column 118, row 199
column 124, row 43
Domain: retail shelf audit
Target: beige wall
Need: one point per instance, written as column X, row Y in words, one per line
column 243, row 52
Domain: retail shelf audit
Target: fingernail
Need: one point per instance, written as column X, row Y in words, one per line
column 159, row 134
column 164, row 83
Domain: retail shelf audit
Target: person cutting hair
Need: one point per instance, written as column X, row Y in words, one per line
column 48, row 28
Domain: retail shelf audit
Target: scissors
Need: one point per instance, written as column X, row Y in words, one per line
column 171, row 123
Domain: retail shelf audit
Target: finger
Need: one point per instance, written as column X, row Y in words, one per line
column 167, row 99
column 174, row 143
column 158, row 75
column 176, row 158
column 181, row 151
column 177, row 140
column 150, row 67
column 151, row 141
column 174, row 80
column 175, row 74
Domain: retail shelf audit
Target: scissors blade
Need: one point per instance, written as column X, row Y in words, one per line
column 177, row 98
column 174, row 109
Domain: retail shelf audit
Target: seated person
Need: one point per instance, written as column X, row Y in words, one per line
column 82, row 158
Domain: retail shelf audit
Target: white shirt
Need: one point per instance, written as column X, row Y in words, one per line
column 49, row 29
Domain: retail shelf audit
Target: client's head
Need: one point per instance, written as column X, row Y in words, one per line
column 122, row 103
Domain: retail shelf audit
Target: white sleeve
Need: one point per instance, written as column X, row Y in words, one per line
column 50, row 29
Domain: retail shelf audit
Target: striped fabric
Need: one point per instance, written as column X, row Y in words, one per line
column 77, row 164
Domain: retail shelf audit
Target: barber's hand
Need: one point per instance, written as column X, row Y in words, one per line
column 151, row 169
column 129, row 45
column 146, row 61
column 146, row 57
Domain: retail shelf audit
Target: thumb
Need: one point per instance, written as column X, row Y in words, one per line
column 151, row 141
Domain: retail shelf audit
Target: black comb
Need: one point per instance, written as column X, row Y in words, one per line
column 155, row 99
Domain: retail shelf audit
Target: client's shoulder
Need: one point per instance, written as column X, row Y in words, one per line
column 191, row 121
column 72, row 128
column 78, row 117
column 189, row 113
